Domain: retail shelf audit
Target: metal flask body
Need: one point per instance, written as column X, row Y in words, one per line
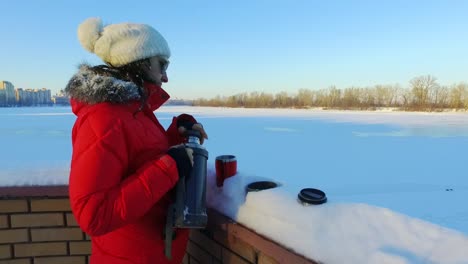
column 191, row 208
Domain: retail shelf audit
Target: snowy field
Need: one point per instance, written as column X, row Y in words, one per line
column 396, row 182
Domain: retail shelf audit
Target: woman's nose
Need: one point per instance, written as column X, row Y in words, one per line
column 164, row 78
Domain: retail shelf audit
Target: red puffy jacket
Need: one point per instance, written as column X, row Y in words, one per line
column 120, row 178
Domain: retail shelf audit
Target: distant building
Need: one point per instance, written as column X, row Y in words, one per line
column 19, row 96
column 44, row 96
column 178, row 102
column 7, row 94
column 33, row 97
column 61, row 99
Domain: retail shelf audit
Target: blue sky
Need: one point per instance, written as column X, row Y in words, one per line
column 229, row 47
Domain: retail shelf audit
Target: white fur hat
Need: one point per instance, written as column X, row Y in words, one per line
column 120, row 44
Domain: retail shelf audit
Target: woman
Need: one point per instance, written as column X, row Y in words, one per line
column 123, row 167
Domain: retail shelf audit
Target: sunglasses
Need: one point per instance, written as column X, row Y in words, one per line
column 163, row 64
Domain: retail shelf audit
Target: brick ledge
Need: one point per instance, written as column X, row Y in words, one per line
column 34, row 191
column 217, row 222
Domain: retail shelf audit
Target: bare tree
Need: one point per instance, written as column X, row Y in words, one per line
column 421, row 87
column 438, row 97
column 458, row 96
column 385, row 95
column 424, row 94
column 350, row 98
column 334, row 97
column 282, row 99
column 304, row 98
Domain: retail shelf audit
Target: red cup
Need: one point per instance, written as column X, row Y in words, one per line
column 226, row 166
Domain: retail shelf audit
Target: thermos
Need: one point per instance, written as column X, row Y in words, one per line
column 191, row 206
column 189, row 210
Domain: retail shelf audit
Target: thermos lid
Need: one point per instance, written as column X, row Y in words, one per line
column 261, row 185
column 311, row 196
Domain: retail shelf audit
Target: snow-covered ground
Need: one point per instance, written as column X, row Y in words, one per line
column 396, row 182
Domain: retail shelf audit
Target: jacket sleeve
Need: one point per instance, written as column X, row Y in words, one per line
column 101, row 201
column 173, row 130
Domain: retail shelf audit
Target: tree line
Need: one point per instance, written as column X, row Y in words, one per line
column 423, row 94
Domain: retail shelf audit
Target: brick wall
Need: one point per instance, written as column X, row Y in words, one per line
column 39, row 230
column 225, row 241
column 37, row 227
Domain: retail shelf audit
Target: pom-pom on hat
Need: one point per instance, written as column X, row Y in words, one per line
column 121, row 44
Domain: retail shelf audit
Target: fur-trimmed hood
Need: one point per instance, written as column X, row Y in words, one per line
column 87, row 86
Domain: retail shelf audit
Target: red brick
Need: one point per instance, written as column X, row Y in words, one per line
column 56, row 234
column 50, row 205
column 13, row 236
column 71, row 221
column 40, row 249
column 13, row 206
column 264, row 259
column 236, row 245
column 5, row 252
column 34, row 220
column 206, row 243
column 35, row 191
column 80, row 248
column 3, row 221
column 16, row 261
column 199, row 254
column 61, row 260
column 193, row 260
column 231, row 258
column 223, row 230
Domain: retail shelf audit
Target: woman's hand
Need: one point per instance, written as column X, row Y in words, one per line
column 197, row 126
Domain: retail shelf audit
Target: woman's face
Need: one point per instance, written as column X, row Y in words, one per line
column 157, row 70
